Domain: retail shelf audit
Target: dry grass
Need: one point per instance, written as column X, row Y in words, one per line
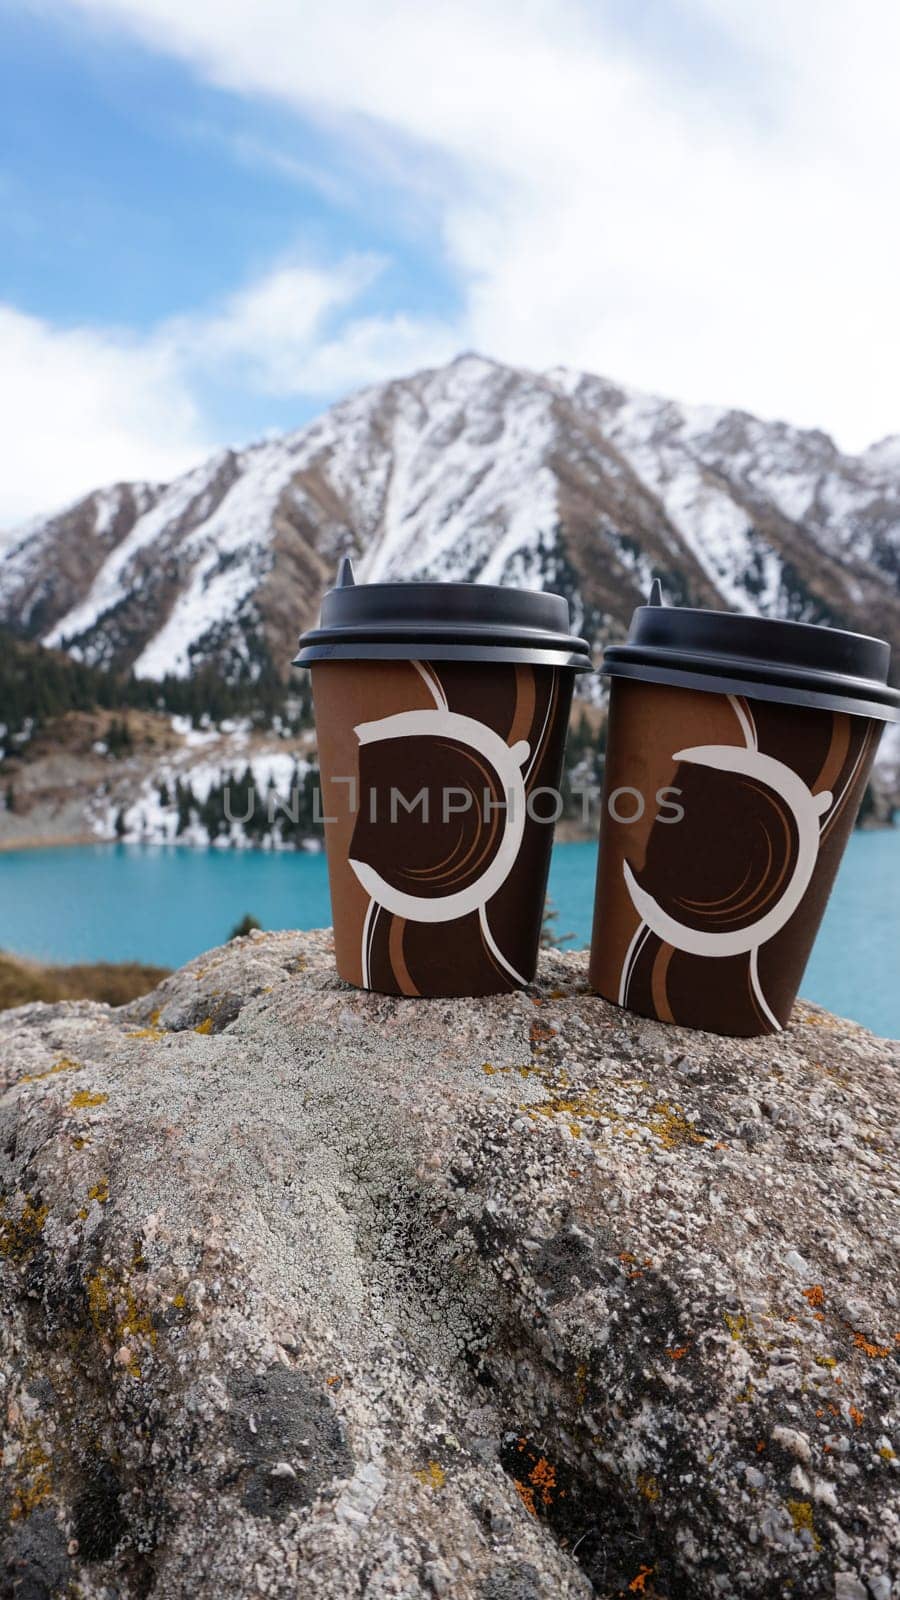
column 115, row 983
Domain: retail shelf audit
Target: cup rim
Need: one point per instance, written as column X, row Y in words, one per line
column 787, row 686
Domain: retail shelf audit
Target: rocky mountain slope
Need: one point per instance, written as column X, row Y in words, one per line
column 315, row 1292
column 473, row 471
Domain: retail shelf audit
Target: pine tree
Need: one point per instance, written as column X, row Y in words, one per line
column 118, row 738
column 185, row 803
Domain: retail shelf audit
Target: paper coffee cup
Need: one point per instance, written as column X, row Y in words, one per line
column 738, row 752
column 441, row 714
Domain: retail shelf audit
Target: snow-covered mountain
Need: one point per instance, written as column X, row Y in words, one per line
column 472, row 471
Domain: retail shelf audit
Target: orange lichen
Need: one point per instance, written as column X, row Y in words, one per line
column 638, row 1584
column 648, row 1486
column 18, row 1239
column 800, row 1512
column 433, row 1476
column 63, row 1065
column 678, row 1353
column 543, row 1478
column 584, row 1106
column 855, row 1413
column 526, row 1495
column 671, row 1127
column 98, row 1295
column 206, row 1026
column 737, row 1324
column 335, row 1378
column 539, row 1033
column 32, row 1470
column 815, row 1295
column 135, row 1321
column 83, row 1099
column 104, row 1294
column 100, row 1192
column 870, row 1349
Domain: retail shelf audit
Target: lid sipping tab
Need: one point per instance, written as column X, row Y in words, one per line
column 345, row 578
column 655, row 597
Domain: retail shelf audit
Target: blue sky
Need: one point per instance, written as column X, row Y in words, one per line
column 133, row 191
column 215, row 219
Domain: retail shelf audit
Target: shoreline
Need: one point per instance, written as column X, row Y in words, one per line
column 50, row 841
column 567, row 832
column 564, row 835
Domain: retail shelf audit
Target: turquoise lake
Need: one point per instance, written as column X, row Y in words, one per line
column 164, row 904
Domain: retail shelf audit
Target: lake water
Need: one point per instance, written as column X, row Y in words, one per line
column 164, row 904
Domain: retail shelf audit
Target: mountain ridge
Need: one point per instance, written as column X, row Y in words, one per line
column 472, row 471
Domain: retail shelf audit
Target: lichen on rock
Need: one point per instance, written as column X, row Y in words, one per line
column 511, row 1299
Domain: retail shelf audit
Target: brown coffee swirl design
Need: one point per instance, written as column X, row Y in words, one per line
column 718, row 890
column 428, row 900
column 709, row 920
column 444, row 847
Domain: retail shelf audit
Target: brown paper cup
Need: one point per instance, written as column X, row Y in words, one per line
column 439, row 792
column 724, row 821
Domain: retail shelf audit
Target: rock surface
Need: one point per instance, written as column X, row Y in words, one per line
column 309, row 1292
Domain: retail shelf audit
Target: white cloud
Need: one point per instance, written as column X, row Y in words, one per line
column 724, row 231
column 260, row 155
column 267, row 331
column 294, row 331
column 79, row 408
column 375, row 349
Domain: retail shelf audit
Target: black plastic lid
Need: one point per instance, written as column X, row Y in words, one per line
column 441, row 622
column 727, row 652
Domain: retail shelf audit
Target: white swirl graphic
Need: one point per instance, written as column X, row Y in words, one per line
column 507, row 763
column 806, row 808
